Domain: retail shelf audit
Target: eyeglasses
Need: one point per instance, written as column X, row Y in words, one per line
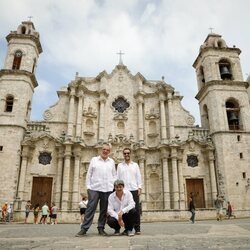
column 126, row 153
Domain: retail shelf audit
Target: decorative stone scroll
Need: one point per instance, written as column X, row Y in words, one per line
column 47, row 115
column 152, row 115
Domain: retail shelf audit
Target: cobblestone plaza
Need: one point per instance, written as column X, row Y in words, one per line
column 228, row 234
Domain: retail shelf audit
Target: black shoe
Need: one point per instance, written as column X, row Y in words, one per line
column 117, row 232
column 81, row 233
column 125, row 232
column 102, row 232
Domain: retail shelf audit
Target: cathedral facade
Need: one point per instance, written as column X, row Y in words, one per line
column 48, row 160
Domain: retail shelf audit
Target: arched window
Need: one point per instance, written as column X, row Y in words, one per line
column 23, row 30
column 28, row 110
column 202, row 75
column 205, row 117
column 152, row 127
column 34, row 65
column 233, row 115
column 121, row 127
column 9, row 103
column 225, row 70
column 17, row 60
column 89, row 125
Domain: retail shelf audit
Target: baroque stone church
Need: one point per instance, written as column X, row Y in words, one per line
column 48, row 160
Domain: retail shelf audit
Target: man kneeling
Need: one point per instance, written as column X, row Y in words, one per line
column 121, row 209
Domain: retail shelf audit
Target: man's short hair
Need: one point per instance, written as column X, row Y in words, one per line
column 119, row 182
column 126, row 149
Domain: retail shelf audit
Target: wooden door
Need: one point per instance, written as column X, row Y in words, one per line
column 41, row 190
column 195, row 188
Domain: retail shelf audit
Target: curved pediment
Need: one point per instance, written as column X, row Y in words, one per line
column 41, row 137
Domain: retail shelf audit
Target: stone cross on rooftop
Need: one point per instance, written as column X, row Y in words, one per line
column 29, row 17
column 211, row 30
column 120, row 57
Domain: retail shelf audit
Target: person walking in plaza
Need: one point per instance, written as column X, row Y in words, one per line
column 129, row 172
column 191, row 209
column 219, row 207
column 4, row 211
column 54, row 211
column 121, row 209
column 229, row 210
column 27, row 211
column 83, row 205
column 10, row 212
column 45, row 212
column 36, row 210
column 100, row 183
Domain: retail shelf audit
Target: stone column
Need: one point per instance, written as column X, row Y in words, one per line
column 71, row 113
column 66, row 174
column 140, row 102
column 21, row 186
column 170, row 116
column 101, row 117
column 181, row 184
column 59, row 171
column 141, row 158
column 79, row 115
column 76, row 196
column 165, row 176
column 175, row 184
column 212, row 176
column 163, row 117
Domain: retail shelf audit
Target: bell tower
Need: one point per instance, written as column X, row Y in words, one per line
column 17, row 84
column 225, row 111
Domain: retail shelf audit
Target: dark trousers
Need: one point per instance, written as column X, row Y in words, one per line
column 137, row 215
column 128, row 219
column 192, row 215
column 93, row 198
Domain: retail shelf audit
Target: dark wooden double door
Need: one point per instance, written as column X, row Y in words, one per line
column 195, row 188
column 41, row 190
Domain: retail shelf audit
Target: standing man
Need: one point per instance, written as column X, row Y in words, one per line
column 121, row 209
column 100, row 183
column 129, row 172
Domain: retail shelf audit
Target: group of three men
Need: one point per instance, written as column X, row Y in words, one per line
column 122, row 205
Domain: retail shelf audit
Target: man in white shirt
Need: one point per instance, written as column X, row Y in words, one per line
column 129, row 172
column 121, row 209
column 99, row 181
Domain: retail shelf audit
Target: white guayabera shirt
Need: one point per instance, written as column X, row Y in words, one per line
column 130, row 174
column 115, row 205
column 101, row 174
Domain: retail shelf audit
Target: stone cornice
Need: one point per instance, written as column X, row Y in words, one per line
column 213, row 48
column 229, row 132
column 220, row 83
column 36, row 40
column 18, row 73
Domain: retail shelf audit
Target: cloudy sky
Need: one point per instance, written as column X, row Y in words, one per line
column 159, row 38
